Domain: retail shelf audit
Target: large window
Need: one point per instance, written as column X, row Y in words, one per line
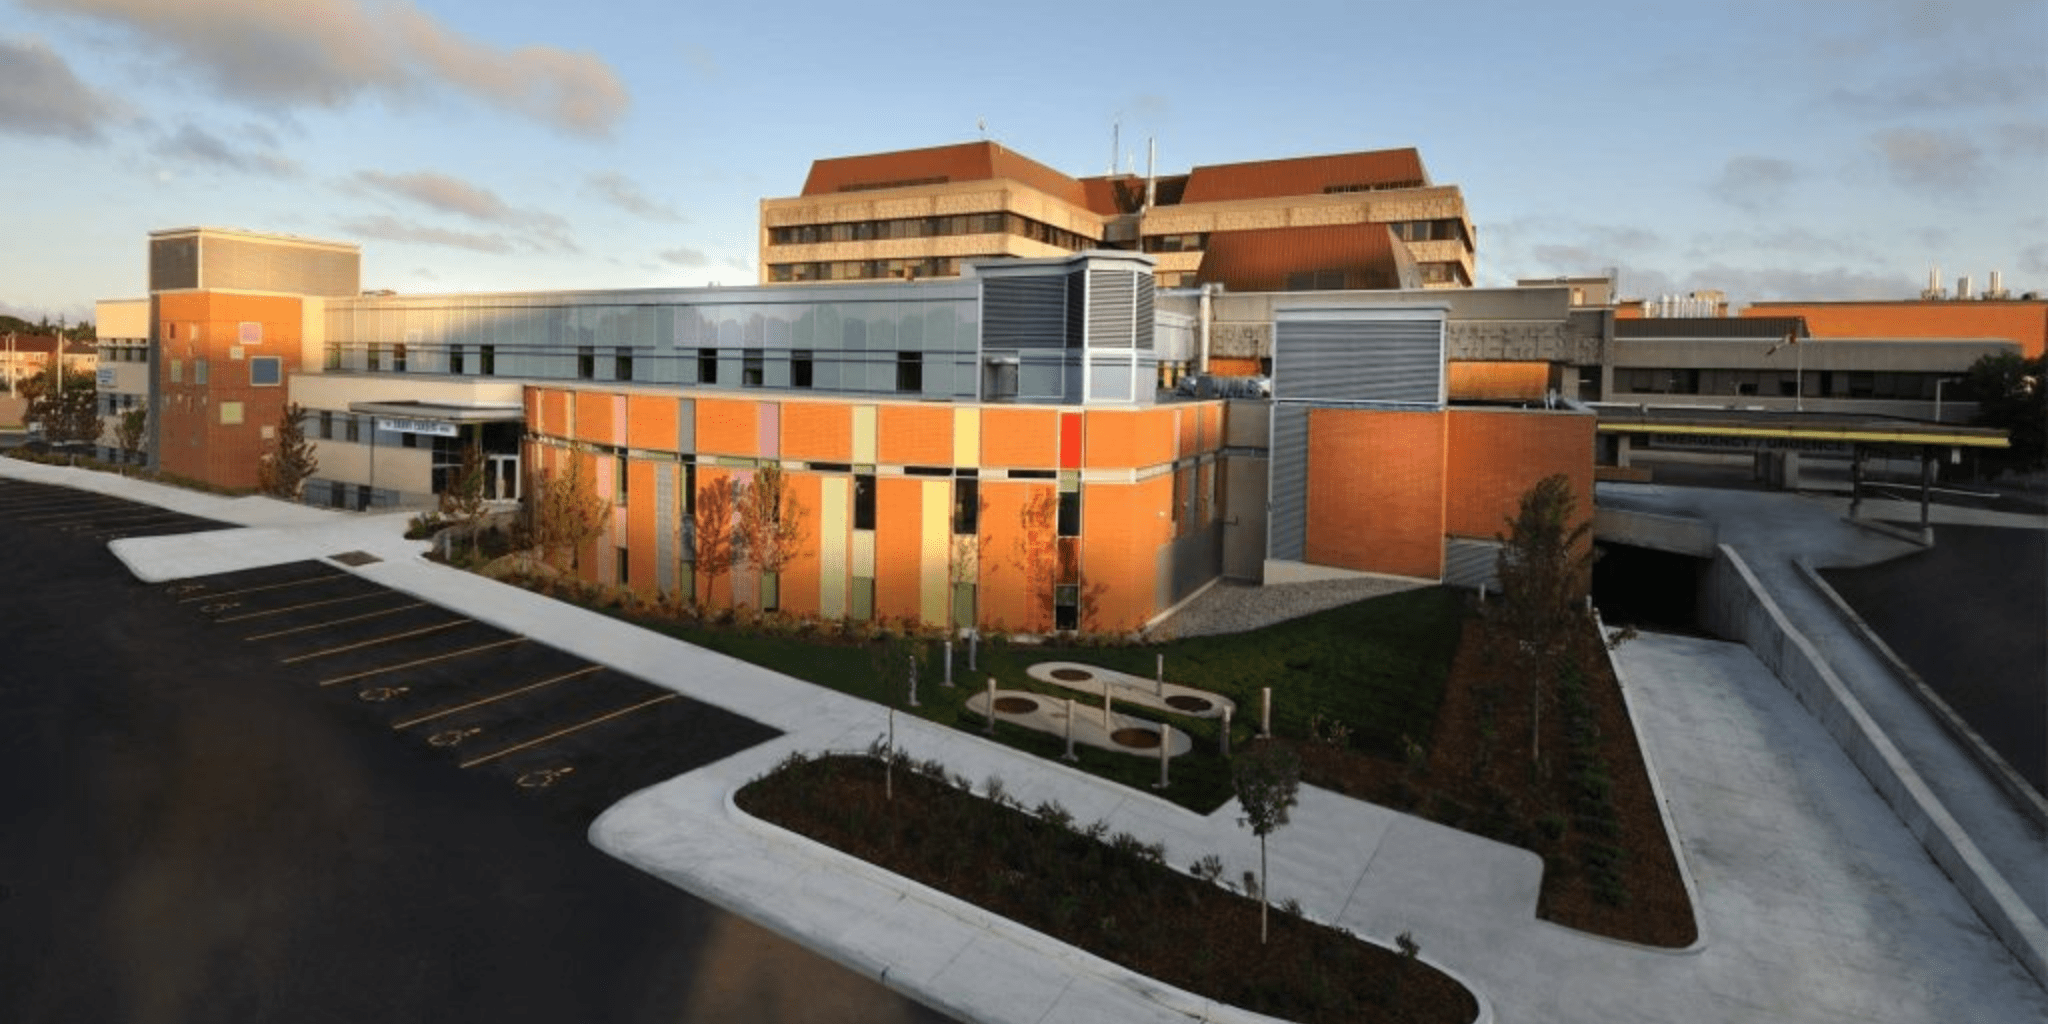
column 707, row 366
column 586, row 363
column 752, row 365
column 455, row 359
column 622, row 364
column 910, row 371
column 487, row 360
column 966, row 506
column 266, row 371
column 800, row 368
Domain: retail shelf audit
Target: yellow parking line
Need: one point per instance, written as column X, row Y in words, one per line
column 559, row 733
column 337, row 622
column 444, row 712
column 353, row 676
column 301, row 607
column 329, row 578
column 374, row 641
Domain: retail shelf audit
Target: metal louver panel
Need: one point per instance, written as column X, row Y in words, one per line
column 1359, row 356
column 1468, row 563
column 1144, row 305
column 1023, row 312
column 1077, row 309
column 1287, row 511
column 1111, row 301
column 173, row 263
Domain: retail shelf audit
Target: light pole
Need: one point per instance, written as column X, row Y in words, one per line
column 1937, row 394
column 1798, row 369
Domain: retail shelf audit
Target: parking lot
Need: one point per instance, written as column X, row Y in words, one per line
column 292, row 794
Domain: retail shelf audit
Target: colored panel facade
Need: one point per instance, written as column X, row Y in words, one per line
column 727, row 426
column 817, row 431
column 914, row 435
column 1019, row 438
column 651, row 421
column 1376, row 491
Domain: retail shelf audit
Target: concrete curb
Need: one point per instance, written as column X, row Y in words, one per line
column 1671, row 833
column 2031, row 803
column 1738, row 606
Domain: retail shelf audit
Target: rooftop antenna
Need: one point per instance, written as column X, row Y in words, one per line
column 1115, row 142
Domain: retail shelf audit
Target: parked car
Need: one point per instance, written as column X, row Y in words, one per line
column 1209, row 385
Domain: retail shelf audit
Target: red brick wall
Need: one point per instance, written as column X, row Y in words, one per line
column 193, row 442
column 1376, row 491
column 1497, row 454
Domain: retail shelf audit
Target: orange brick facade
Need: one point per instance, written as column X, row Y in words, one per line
column 213, row 416
column 2024, row 322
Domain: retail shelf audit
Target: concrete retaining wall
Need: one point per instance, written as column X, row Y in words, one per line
column 1733, row 604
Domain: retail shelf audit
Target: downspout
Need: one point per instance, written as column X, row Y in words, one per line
column 1202, row 341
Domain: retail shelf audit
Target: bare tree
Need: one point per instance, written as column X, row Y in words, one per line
column 716, row 542
column 565, row 511
column 290, row 460
column 771, row 527
column 1268, row 782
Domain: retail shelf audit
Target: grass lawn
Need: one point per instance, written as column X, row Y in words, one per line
column 1378, row 666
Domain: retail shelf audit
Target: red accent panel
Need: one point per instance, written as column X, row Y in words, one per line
column 1070, row 440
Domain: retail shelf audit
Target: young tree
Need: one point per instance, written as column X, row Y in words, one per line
column 1268, row 782
column 771, row 529
column 132, row 431
column 2012, row 395
column 716, row 543
column 462, row 495
column 68, row 413
column 565, row 511
column 1545, row 570
column 289, row 460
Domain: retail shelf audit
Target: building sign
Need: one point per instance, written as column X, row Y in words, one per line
column 104, row 379
column 434, row 427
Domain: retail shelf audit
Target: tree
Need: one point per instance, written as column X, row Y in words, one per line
column 1545, row 570
column 965, row 559
column 714, row 542
column 565, row 511
column 2012, row 395
column 770, row 528
column 288, row 462
column 462, row 496
column 68, row 413
column 1268, row 782
column 132, row 431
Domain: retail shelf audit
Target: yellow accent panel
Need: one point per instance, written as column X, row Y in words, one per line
column 864, row 434
column 833, row 502
column 933, row 546
column 863, row 554
column 967, row 438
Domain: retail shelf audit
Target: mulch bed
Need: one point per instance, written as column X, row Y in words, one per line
column 1477, row 774
column 1109, row 895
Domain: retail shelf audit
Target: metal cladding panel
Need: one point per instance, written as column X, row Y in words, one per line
column 1142, row 337
column 271, row 267
column 1382, row 356
column 1469, row 563
column 1112, row 300
column 1023, row 312
column 1287, row 508
column 173, row 263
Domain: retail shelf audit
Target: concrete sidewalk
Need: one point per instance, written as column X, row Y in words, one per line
column 1815, row 904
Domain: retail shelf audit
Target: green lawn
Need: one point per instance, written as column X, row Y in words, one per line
column 1378, row 666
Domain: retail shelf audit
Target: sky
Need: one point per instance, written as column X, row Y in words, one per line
column 1796, row 149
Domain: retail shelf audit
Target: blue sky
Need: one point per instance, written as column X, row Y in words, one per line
column 1818, row 149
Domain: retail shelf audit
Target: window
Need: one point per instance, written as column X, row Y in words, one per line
column 1070, row 512
column 355, row 429
column 586, row 363
column 622, row 364
column 398, row 357
column 751, row 367
column 487, row 360
column 266, row 371
column 1066, row 607
column 408, row 439
column 619, row 477
column 800, row 368
column 624, row 567
column 910, row 371
column 198, row 371
column 689, row 489
column 326, row 425
column 707, row 366
column 333, row 357
column 177, row 371
column 231, row 414
column 864, row 501
column 375, row 358
column 966, row 505
column 455, row 359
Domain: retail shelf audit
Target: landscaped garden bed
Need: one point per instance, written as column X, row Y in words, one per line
column 1108, row 894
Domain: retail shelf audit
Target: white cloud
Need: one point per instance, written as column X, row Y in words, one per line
column 327, row 53
column 191, row 144
column 43, row 97
column 626, row 194
column 394, row 230
column 1754, row 183
column 448, row 194
column 1922, row 159
column 685, row 257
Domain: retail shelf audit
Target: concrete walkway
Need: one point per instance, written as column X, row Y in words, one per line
column 1815, row 904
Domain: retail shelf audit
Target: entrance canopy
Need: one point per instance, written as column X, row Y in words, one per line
column 428, row 414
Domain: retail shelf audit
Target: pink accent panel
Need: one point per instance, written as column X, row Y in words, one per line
column 619, row 420
column 771, row 430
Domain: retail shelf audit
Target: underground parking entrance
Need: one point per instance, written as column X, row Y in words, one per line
column 1648, row 589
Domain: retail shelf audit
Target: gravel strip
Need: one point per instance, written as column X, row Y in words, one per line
column 1234, row 606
